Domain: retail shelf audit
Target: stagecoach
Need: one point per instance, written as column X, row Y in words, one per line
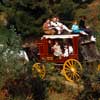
column 71, row 67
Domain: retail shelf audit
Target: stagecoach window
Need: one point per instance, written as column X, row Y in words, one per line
column 60, row 47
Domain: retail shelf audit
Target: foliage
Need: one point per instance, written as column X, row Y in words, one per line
column 91, row 82
column 10, row 66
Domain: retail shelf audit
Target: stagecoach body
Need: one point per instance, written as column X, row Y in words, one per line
column 43, row 46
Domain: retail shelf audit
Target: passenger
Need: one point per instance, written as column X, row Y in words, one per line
column 57, row 50
column 66, row 54
column 82, row 24
column 68, row 50
column 86, row 28
column 90, row 33
column 76, row 30
column 48, row 29
column 60, row 27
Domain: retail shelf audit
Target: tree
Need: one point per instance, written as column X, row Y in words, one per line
column 28, row 15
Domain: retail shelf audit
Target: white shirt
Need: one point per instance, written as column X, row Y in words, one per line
column 57, row 50
column 68, row 51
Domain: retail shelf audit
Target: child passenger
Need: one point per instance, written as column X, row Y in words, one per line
column 68, row 50
column 60, row 27
column 48, row 29
column 75, row 29
column 85, row 31
column 57, row 50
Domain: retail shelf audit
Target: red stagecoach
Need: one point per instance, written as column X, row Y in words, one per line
column 71, row 67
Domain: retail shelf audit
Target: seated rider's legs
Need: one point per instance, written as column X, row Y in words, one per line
column 83, row 33
column 90, row 33
column 66, row 28
column 58, row 29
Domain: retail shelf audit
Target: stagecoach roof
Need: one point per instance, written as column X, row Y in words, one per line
column 60, row 36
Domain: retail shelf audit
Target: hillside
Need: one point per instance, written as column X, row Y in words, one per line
column 92, row 12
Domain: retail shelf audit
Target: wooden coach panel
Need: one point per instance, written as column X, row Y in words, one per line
column 76, row 46
column 43, row 48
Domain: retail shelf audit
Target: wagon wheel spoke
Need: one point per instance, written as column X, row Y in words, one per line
column 73, row 76
column 67, row 65
column 38, row 69
column 67, row 69
column 76, row 75
column 72, row 69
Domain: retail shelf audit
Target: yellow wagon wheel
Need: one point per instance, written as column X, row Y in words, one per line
column 98, row 67
column 71, row 70
column 39, row 69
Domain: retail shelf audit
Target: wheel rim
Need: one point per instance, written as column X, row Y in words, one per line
column 72, row 69
column 38, row 69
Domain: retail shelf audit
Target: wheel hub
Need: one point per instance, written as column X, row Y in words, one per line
column 73, row 69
